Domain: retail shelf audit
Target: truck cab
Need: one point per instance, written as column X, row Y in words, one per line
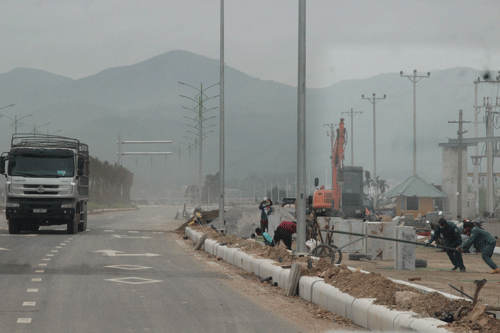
column 47, row 182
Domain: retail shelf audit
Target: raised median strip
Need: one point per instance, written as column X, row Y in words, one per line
column 361, row 311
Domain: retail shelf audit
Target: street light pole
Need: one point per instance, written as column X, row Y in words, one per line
column 221, row 116
column 301, row 131
column 200, row 98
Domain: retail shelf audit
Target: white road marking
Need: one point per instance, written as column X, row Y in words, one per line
column 109, row 231
column 39, row 271
column 29, row 303
column 50, row 255
column 133, row 232
column 42, row 264
column 129, row 267
column 58, row 247
column 67, row 241
column 2, row 249
column 70, row 238
column 24, row 320
column 157, row 232
column 62, row 244
column 125, row 236
column 46, row 259
column 28, row 235
column 36, row 279
column 112, row 253
column 133, row 280
column 54, row 250
column 32, row 290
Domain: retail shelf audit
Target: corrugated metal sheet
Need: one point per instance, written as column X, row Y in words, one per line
column 415, row 187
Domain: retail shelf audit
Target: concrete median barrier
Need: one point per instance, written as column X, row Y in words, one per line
column 361, row 311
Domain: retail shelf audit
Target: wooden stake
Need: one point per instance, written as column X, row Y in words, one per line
column 293, row 279
column 200, row 242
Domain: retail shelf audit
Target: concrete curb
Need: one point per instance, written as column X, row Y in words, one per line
column 109, row 210
column 361, row 311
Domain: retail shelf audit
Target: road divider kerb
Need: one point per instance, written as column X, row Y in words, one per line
column 361, row 311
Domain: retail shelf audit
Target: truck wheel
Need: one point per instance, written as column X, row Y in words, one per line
column 14, row 227
column 72, row 227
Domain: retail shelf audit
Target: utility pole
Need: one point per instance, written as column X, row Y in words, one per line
column 415, row 78
column 178, row 150
column 331, row 135
column 352, row 113
column 489, row 154
column 459, row 182
column 476, row 160
column 200, row 110
column 374, row 101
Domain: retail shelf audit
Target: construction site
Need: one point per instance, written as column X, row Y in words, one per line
column 375, row 271
column 446, row 301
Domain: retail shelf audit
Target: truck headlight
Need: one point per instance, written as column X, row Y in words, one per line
column 68, row 205
column 12, row 204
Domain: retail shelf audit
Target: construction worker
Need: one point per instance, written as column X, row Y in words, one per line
column 452, row 239
column 265, row 207
column 266, row 238
column 284, row 232
column 483, row 241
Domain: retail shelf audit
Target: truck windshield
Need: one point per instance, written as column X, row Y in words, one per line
column 41, row 166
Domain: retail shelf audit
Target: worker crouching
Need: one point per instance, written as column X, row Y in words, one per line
column 483, row 241
column 284, row 232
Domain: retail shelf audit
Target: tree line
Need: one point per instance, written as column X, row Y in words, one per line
column 110, row 184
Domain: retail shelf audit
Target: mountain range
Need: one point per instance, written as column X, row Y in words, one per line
column 143, row 102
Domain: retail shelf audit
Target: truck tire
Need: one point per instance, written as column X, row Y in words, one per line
column 72, row 227
column 14, row 227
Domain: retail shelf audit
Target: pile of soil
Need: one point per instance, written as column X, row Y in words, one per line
column 372, row 285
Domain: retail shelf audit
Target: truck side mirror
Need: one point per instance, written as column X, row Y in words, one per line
column 81, row 163
column 79, row 172
column 316, row 182
column 2, row 165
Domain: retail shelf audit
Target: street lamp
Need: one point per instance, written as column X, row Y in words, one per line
column 15, row 120
column 200, row 98
column 35, row 127
column 7, row 106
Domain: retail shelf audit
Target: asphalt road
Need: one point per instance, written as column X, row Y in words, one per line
column 126, row 273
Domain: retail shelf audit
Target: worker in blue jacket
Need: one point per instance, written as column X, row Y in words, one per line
column 452, row 239
column 483, row 241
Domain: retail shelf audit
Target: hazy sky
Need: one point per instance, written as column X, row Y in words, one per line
column 345, row 39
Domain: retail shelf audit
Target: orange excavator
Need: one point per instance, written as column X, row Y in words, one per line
column 346, row 196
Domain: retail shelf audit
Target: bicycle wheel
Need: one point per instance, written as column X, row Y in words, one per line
column 329, row 252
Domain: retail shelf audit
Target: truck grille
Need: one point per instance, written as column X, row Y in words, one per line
column 41, row 189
